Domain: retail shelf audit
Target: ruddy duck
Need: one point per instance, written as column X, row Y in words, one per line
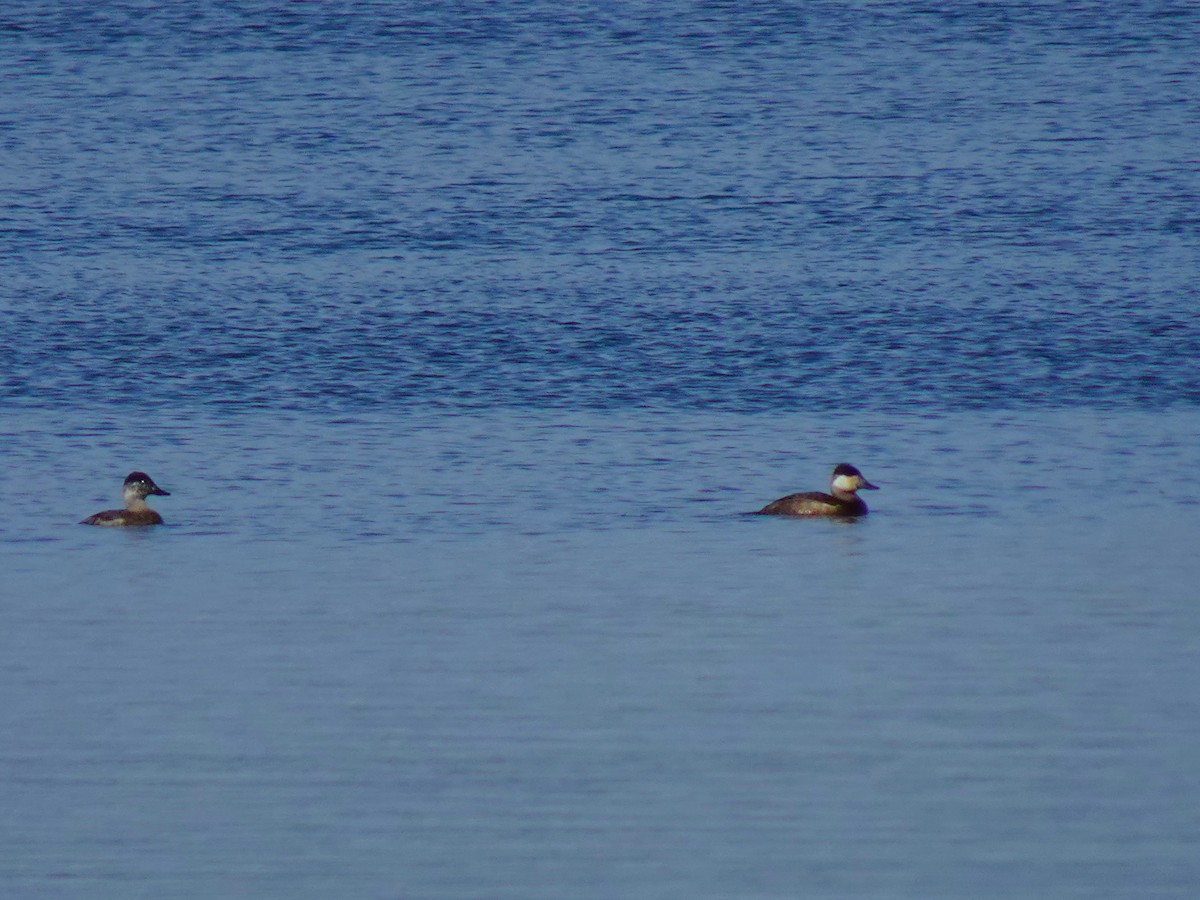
column 138, row 486
column 842, row 499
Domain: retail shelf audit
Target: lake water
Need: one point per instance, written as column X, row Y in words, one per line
column 464, row 337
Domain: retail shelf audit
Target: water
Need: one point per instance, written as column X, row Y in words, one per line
column 528, row 207
column 463, row 337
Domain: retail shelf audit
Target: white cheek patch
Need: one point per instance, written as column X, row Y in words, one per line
column 845, row 483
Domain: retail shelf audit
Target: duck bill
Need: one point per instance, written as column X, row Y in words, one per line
column 156, row 490
column 867, row 486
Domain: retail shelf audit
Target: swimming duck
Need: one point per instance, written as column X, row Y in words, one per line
column 138, row 486
column 842, row 499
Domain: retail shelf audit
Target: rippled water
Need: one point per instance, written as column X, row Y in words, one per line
column 463, row 337
column 699, row 206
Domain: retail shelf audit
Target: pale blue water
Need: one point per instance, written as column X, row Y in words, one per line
column 464, row 336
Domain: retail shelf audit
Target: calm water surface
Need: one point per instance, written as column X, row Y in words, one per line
column 537, row 655
column 463, row 338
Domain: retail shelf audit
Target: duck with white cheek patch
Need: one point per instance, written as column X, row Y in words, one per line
column 842, row 499
column 138, row 486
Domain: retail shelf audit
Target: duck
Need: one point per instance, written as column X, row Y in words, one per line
column 842, row 499
column 138, row 486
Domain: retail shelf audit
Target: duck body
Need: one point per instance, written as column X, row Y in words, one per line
column 815, row 503
column 842, row 500
column 138, row 486
column 145, row 516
